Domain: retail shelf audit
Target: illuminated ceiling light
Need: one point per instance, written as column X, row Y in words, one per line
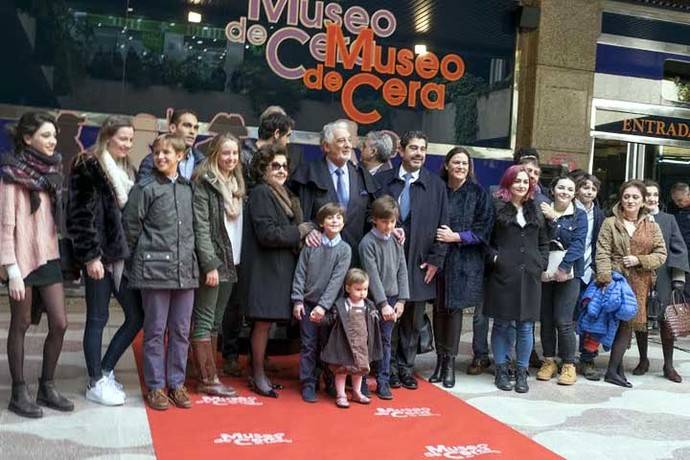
column 194, row 17
column 130, row 9
column 419, row 49
column 422, row 15
column 199, row 42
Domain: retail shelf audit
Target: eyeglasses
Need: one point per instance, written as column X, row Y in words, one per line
column 275, row 166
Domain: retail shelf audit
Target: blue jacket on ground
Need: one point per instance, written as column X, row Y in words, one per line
column 606, row 308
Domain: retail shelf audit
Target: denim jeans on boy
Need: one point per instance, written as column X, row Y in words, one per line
column 480, row 334
column 97, row 296
column 312, row 339
column 166, row 310
column 383, row 367
column 502, row 342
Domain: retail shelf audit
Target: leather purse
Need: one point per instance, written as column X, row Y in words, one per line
column 677, row 316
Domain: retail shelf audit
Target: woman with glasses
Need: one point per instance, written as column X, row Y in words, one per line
column 273, row 233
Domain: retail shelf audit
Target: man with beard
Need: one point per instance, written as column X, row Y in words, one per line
column 423, row 208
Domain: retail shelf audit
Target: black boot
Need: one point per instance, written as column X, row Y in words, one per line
column 667, row 347
column 22, row 404
column 49, row 396
column 438, row 370
column 449, row 372
column 502, row 380
column 521, row 380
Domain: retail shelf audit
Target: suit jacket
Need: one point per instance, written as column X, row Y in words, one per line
column 313, row 184
column 428, row 211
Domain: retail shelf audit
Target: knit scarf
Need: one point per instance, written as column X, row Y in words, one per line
column 121, row 181
column 232, row 196
column 289, row 204
column 37, row 173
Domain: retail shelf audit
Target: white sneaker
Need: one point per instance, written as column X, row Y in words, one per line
column 102, row 392
column 111, row 378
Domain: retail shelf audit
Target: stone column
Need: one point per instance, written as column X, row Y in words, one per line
column 555, row 81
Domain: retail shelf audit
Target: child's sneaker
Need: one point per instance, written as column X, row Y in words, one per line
column 180, row 397
column 156, row 399
column 102, row 392
column 111, row 378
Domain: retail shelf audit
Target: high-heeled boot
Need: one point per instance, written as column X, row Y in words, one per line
column 436, row 376
column 449, row 372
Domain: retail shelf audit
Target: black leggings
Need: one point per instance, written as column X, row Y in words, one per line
column 53, row 300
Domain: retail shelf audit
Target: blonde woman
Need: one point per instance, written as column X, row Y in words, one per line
column 218, row 201
column 100, row 181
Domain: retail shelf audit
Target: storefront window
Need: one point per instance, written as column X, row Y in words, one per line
column 145, row 56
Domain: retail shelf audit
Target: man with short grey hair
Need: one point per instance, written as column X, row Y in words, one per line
column 377, row 150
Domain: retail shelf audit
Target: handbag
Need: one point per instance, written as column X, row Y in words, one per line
column 677, row 316
column 426, row 337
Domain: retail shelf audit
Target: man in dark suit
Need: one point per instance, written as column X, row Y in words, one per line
column 335, row 178
column 423, row 208
column 185, row 123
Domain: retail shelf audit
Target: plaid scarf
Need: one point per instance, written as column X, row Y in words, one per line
column 37, row 173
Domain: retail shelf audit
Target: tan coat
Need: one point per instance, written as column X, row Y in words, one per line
column 647, row 244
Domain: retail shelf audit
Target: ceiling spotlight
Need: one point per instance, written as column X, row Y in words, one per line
column 419, row 49
column 194, row 17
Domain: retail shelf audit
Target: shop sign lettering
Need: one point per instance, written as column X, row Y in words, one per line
column 345, row 42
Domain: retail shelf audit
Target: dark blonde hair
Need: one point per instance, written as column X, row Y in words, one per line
column 356, row 276
column 328, row 210
column 111, row 125
column 385, row 208
column 210, row 163
column 175, row 141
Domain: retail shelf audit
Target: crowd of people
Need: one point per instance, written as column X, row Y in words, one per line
column 351, row 250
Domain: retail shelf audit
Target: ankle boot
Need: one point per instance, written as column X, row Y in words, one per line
column 667, row 348
column 49, row 396
column 521, row 380
column 22, row 404
column 438, row 370
column 502, row 379
column 449, row 372
column 209, row 383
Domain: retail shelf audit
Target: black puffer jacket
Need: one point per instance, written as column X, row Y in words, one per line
column 94, row 220
column 213, row 247
column 158, row 221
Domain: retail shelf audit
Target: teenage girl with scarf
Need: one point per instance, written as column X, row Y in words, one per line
column 30, row 205
column 100, row 181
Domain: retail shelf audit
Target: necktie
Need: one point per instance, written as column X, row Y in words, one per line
column 405, row 198
column 340, row 190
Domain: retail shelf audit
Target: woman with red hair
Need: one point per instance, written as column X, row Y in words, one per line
column 520, row 245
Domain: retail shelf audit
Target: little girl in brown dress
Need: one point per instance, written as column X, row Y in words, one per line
column 354, row 340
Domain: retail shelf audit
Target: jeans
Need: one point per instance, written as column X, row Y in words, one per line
column 502, row 343
column 97, row 296
column 210, row 304
column 557, row 304
column 312, row 340
column 480, row 334
column 383, row 367
column 166, row 310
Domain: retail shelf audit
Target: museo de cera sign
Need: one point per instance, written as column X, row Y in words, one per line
column 346, row 54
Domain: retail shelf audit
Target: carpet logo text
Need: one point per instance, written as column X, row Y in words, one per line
column 252, row 439
column 459, row 452
column 404, row 412
column 223, row 401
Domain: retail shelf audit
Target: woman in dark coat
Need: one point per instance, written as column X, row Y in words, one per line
column 461, row 284
column 669, row 277
column 100, row 181
column 272, row 236
column 521, row 241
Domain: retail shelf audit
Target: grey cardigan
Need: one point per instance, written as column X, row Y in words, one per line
column 320, row 274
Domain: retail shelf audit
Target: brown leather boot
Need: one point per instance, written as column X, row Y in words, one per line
column 208, row 379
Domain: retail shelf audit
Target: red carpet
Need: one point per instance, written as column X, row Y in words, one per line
column 426, row 423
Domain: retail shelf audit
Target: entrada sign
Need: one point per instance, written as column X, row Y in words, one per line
column 397, row 74
column 650, row 126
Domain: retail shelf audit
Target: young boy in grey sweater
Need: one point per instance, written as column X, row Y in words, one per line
column 318, row 281
column 383, row 258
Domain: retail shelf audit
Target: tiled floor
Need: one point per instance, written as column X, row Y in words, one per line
column 590, row 420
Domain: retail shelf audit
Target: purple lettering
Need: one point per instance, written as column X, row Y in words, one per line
column 272, row 46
